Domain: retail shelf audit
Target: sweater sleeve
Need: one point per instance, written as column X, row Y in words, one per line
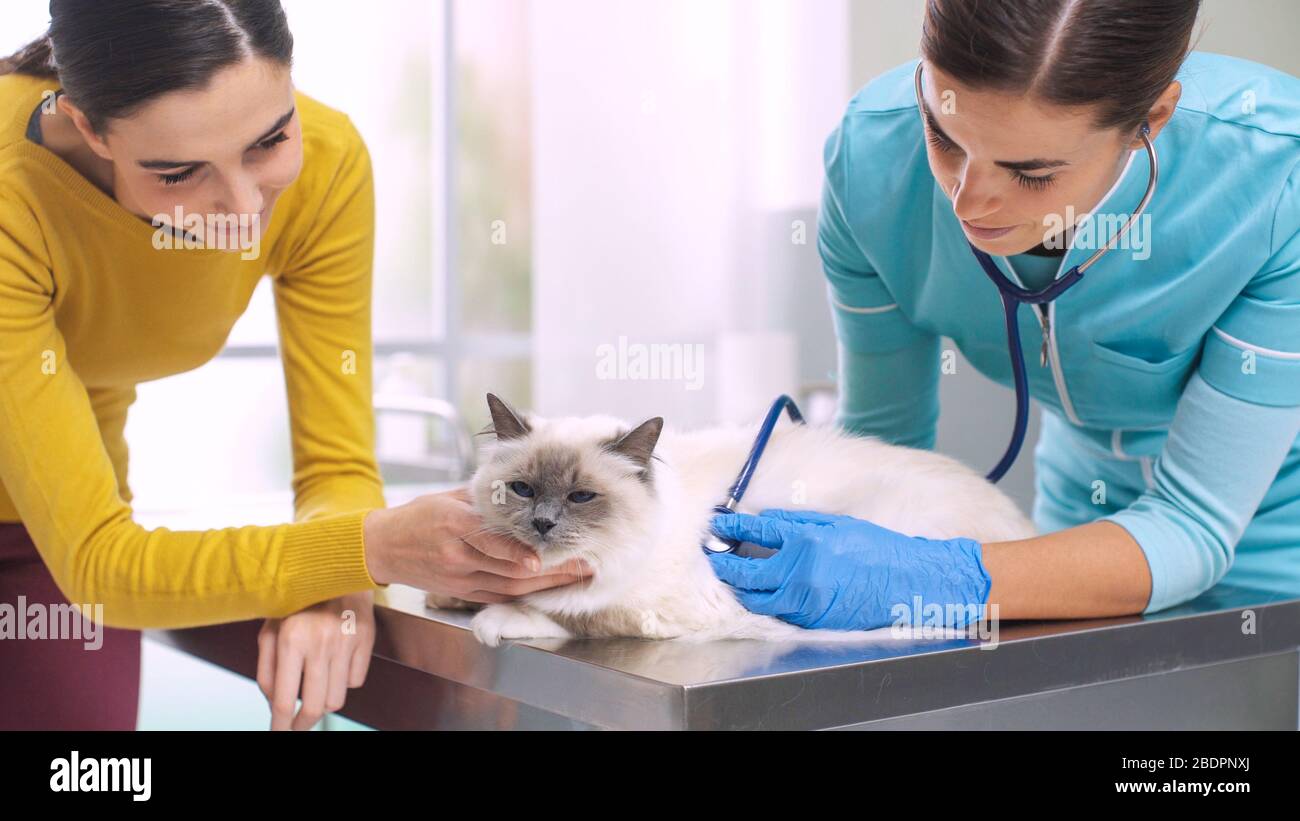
column 323, row 308
column 1238, row 418
column 888, row 367
column 57, row 471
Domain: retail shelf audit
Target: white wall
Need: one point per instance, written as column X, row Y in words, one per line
column 672, row 141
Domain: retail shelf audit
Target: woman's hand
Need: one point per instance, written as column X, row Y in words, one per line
column 841, row 573
column 438, row 543
column 325, row 648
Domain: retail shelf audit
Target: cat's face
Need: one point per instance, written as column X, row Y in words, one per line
column 566, row 486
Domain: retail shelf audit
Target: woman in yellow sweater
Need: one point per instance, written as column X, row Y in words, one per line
column 156, row 163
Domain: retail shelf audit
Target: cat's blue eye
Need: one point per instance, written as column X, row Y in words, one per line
column 522, row 489
column 581, row 496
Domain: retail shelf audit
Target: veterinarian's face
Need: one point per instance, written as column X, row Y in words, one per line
column 229, row 148
column 1015, row 164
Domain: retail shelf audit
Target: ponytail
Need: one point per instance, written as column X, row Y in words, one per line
column 36, row 59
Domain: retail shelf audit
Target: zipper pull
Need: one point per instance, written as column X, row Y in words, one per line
column 1047, row 335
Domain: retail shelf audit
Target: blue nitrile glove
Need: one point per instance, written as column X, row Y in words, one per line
column 842, row 573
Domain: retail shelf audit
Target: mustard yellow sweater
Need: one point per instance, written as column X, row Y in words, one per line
column 89, row 308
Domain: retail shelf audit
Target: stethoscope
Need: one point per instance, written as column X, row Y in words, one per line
column 716, row 544
column 1012, row 296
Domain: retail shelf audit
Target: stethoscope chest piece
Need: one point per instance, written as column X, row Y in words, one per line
column 715, row 544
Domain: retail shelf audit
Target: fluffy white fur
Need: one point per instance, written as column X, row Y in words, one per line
column 651, row 578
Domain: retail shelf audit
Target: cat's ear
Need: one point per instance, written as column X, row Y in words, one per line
column 506, row 423
column 639, row 443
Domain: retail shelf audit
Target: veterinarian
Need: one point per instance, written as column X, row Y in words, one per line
column 1170, row 376
column 172, row 107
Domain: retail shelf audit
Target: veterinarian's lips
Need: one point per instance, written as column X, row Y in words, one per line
column 986, row 233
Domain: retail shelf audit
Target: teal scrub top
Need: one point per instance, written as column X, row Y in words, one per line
column 1171, row 395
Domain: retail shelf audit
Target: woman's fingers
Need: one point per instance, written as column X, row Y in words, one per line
column 762, row 602
column 461, row 494
column 337, row 691
column 266, row 640
column 480, row 561
column 462, row 521
column 288, row 675
column 488, row 583
column 746, row 573
column 759, row 530
column 315, row 686
column 302, row 657
column 359, row 665
column 482, row 566
column 503, row 549
column 485, row 597
column 804, row 516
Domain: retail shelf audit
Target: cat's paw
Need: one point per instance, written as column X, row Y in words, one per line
column 652, row 627
column 508, row 621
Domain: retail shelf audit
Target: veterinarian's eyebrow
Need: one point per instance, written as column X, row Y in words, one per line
column 1014, row 165
column 161, row 164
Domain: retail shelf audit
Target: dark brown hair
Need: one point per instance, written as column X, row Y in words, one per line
column 113, row 57
column 1119, row 55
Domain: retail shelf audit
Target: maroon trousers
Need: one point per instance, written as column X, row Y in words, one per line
column 59, row 683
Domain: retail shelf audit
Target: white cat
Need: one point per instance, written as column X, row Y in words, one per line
column 635, row 504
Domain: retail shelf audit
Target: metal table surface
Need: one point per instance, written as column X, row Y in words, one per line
column 1228, row 659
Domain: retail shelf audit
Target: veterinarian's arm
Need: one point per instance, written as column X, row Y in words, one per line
column 1092, row 570
column 888, row 367
column 1174, row 541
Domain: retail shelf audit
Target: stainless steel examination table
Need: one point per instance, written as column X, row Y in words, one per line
column 1230, row 659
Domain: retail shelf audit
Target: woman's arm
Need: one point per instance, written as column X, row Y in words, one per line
column 323, row 309
column 888, row 367
column 56, row 469
column 1175, row 540
column 1092, row 570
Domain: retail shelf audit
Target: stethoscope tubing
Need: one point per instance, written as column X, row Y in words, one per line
column 738, row 488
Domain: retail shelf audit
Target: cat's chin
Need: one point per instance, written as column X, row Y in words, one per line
column 553, row 556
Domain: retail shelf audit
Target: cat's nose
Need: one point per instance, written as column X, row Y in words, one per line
column 543, row 525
